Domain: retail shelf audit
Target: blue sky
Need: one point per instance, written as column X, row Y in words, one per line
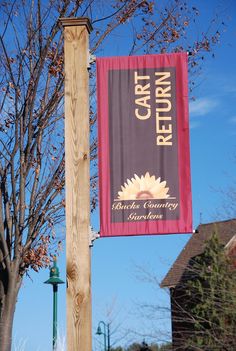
column 117, row 288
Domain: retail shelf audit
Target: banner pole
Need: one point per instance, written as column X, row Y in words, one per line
column 76, row 48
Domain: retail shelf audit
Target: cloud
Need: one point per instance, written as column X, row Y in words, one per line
column 233, row 120
column 202, row 106
column 230, row 89
column 194, row 125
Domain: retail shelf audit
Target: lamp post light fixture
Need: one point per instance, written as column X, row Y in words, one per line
column 105, row 333
column 54, row 280
column 144, row 346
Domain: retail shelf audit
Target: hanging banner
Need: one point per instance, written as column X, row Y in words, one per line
column 144, row 165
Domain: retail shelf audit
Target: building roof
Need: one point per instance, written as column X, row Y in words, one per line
column 195, row 246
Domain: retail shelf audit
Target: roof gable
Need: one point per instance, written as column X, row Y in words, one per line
column 195, row 246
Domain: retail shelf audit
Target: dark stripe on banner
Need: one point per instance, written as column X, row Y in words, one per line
column 143, row 144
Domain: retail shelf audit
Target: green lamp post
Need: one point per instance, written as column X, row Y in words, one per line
column 54, row 280
column 144, row 346
column 105, row 333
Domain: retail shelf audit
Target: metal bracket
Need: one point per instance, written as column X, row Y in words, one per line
column 92, row 236
column 91, row 60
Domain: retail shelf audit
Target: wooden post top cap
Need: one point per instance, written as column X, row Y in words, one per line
column 77, row 21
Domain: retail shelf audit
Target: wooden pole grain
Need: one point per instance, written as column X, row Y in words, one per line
column 76, row 46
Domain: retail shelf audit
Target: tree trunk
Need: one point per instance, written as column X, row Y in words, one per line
column 9, row 287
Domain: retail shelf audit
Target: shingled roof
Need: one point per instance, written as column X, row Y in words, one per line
column 195, row 246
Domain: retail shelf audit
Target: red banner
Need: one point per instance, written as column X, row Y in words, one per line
column 143, row 136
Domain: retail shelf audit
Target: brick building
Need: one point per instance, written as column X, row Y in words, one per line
column 181, row 271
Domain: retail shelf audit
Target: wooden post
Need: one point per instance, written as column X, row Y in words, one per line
column 76, row 37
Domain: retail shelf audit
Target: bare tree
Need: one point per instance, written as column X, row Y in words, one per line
column 31, row 122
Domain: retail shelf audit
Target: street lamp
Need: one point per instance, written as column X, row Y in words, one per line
column 144, row 346
column 106, row 333
column 54, row 280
